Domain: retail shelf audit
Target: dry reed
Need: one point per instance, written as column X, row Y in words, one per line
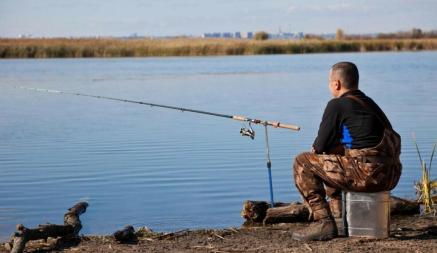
column 109, row 47
column 425, row 188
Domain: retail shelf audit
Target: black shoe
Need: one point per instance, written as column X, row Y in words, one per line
column 321, row 230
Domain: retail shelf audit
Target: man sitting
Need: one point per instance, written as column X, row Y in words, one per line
column 356, row 150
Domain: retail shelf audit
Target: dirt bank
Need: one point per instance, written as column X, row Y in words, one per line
column 408, row 234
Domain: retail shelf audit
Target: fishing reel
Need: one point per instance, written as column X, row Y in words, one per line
column 244, row 131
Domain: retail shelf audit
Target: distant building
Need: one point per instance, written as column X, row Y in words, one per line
column 133, row 36
column 250, row 35
column 25, row 36
column 247, row 35
column 328, row 35
column 211, row 35
column 286, row 36
column 227, row 35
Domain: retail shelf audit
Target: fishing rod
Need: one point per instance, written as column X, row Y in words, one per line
column 243, row 131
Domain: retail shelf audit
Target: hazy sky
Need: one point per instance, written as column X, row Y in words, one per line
column 193, row 17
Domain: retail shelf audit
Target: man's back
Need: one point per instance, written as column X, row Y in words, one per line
column 353, row 120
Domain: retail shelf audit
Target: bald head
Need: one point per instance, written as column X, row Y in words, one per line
column 346, row 73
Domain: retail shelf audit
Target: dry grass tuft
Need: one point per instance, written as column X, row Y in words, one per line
column 426, row 188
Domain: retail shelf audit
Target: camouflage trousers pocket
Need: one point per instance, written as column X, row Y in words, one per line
column 370, row 169
column 377, row 175
column 331, row 164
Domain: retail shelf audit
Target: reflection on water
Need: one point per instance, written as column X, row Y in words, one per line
column 170, row 170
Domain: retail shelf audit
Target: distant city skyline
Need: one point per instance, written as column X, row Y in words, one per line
column 62, row 18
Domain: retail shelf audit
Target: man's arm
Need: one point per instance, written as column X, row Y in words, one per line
column 327, row 135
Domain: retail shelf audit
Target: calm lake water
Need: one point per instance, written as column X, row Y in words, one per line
column 170, row 170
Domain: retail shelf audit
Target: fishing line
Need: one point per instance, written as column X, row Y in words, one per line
column 244, row 131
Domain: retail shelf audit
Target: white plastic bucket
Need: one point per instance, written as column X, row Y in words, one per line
column 367, row 214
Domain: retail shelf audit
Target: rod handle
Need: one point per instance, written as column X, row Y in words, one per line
column 240, row 118
column 271, row 123
column 282, row 125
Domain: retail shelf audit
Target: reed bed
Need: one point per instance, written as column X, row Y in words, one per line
column 77, row 48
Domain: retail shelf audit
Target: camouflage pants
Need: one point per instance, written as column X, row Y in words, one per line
column 359, row 170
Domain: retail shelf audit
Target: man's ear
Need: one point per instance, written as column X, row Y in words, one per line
column 337, row 85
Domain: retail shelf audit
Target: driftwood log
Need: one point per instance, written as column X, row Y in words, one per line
column 295, row 212
column 400, row 206
column 260, row 211
column 70, row 229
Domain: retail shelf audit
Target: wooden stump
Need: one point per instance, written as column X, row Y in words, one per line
column 71, row 228
column 254, row 211
column 125, row 235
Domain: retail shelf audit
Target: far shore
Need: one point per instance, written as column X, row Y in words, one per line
column 108, row 47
